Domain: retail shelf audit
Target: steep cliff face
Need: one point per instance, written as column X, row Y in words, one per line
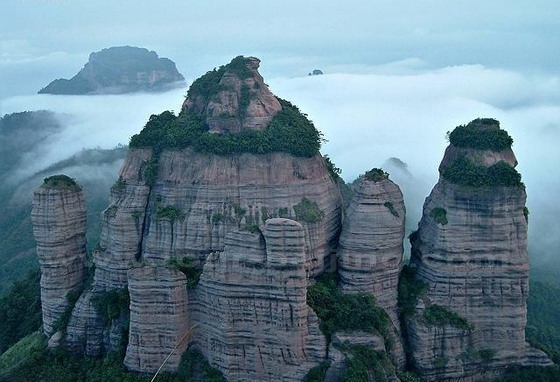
column 159, row 324
column 371, row 243
column 175, row 207
column 370, row 250
column 471, row 251
column 59, row 227
column 255, row 291
column 121, row 69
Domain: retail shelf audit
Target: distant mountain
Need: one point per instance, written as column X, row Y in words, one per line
column 117, row 70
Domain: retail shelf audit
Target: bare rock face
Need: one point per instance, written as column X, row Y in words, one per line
column 158, row 319
column 471, row 251
column 254, row 322
column 239, row 99
column 59, row 227
column 212, row 195
column 370, row 249
column 122, row 228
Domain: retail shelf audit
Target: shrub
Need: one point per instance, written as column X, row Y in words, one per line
column 464, row 172
column 410, row 290
column 186, row 266
column 63, row 182
column 340, row 311
column 112, row 304
column 439, row 214
column 317, row 374
column 481, row 134
column 170, row 213
column 437, row 315
column 308, row 211
column 376, row 175
column 391, row 208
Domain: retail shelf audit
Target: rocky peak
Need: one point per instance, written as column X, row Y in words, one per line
column 233, row 98
column 59, row 227
column 470, row 251
column 482, row 142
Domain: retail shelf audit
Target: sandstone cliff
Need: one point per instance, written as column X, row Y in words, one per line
column 471, row 251
column 121, row 69
column 255, row 291
column 175, row 208
column 59, row 227
column 370, row 251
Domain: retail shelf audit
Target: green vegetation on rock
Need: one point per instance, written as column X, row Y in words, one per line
column 317, row 374
column 391, row 208
column 366, row 364
column 170, row 213
column 308, row 211
column 464, row 172
column 61, row 182
column 437, row 315
column 439, row 214
column 481, row 134
column 187, row 267
column 340, row 311
column 376, row 175
column 112, row 304
column 410, row 290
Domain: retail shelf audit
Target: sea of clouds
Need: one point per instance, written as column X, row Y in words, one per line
column 368, row 115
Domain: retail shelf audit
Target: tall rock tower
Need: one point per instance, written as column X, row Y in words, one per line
column 198, row 197
column 59, row 226
column 470, row 250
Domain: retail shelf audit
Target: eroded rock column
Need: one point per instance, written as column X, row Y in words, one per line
column 158, row 318
column 59, row 227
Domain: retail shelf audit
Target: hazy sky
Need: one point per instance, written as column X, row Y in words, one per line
column 399, row 74
column 54, row 37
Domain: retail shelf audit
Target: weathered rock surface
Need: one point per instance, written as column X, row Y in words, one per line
column 243, row 101
column 59, row 227
column 370, row 250
column 121, row 69
column 254, row 322
column 340, row 352
column 158, row 318
column 217, row 194
column 475, row 264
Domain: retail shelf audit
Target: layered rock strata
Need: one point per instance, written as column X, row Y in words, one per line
column 59, row 227
column 255, row 291
column 471, row 251
column 370, row 250
column 159, row 324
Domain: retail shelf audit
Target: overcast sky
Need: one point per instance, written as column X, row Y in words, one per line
column 399, row 74
column 47, row 37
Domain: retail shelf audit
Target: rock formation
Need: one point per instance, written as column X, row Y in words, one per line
column 175, row 210
column 255, row 291
column 370, row 249
column 471, row 251
column 59, row 227
column 241, row 100
column 121, row 69
column 223, row 217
